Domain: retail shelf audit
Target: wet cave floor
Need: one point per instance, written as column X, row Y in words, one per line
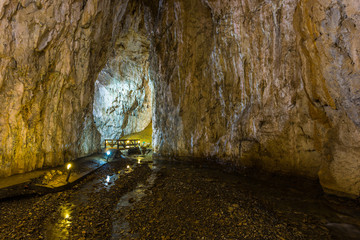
column 143, row 198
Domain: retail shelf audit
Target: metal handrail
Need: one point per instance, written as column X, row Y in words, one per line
column 125, row 143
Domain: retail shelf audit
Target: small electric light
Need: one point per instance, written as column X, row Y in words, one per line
column 108, row 179
column 107, row 156
column 139, row 161
column 69, row 172
column 67, row 216
column 127, row 166
column 139, row 142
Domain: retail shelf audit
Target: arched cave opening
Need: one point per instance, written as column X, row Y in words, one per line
column 123, row 90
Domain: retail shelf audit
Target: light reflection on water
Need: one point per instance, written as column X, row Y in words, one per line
column 60, row 224
column 279, row 196
column 108, row 182
column 139, row 159
column 120, row 224
column 61, row 228
column 66, row 214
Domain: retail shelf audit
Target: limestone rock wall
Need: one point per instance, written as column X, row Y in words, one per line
column 50, row 55
column 269, row 84
column 123, row 90
column 272, row 84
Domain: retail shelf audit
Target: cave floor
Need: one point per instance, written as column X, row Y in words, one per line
column 143, row 198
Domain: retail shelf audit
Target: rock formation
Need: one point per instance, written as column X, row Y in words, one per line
column 50, row 55
column 265, row 84
column 123, row 90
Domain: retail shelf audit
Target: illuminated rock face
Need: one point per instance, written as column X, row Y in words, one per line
column 123, row 94
column 50, row 55
column 267, row 84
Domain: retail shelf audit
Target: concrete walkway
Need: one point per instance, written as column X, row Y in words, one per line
column 19, row 179
column 52, row 179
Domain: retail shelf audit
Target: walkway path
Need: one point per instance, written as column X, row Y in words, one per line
column 52, row 179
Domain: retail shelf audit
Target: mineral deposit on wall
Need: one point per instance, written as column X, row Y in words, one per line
column 270, row 84
column 50, row 55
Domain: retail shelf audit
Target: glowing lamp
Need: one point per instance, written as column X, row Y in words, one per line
column 69, row 172
column 128, row 166
column 107, row 155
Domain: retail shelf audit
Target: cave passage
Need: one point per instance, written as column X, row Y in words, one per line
column 123, row 90
column 247, row 113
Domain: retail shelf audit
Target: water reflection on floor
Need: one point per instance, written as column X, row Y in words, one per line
column 59, row 223
column 288, row 195
column 120, row 225
column 60, row 230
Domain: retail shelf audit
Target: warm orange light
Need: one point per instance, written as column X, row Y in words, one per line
column 68, row 166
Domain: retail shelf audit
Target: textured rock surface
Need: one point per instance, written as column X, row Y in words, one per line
column 50, row 55
column 270, row 84
column 123, row 90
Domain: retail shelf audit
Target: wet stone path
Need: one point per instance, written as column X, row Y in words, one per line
column 137, row 198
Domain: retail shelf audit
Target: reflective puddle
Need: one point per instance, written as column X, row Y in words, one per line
column 342, row 222
column 60, row 230
column 120, row 225
column 60, row 223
